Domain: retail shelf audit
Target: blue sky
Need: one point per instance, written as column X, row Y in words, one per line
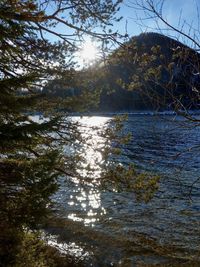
column 172, row 9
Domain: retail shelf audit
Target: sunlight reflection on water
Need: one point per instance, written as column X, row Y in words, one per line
column 118, row 227
column 88, row 199
column 70, row 248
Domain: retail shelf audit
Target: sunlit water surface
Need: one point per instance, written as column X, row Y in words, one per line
column 112, row 229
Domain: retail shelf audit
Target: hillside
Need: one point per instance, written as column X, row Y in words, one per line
column 151, row 71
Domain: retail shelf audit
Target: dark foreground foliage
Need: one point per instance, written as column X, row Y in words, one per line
column 31, row 155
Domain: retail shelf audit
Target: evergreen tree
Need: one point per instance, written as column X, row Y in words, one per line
column 31, row 157
column 32, row 151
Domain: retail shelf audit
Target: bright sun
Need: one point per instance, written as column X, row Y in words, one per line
column 89, row 52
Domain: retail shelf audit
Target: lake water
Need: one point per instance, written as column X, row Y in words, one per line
column 106, row 228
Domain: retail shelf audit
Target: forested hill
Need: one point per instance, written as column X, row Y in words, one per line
column 151, row 71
